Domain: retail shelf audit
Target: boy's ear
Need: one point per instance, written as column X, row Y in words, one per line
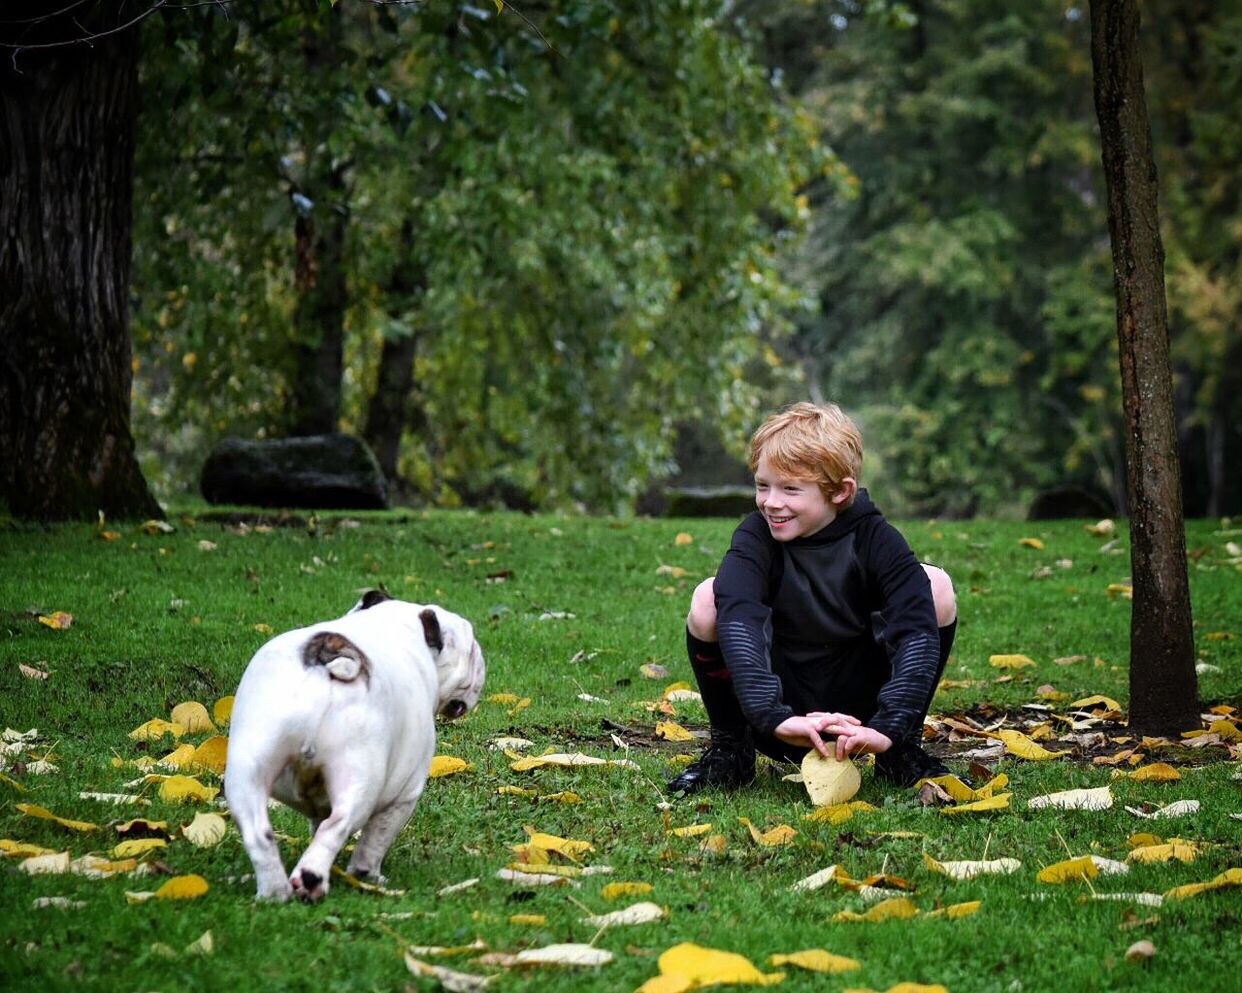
column 849, row 486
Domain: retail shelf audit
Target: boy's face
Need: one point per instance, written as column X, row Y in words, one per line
column 793, row 508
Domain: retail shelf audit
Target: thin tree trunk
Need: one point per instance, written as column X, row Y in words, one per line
column 1163, row 685
column 67, row 117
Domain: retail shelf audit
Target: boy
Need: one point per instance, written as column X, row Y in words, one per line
column 821, row 623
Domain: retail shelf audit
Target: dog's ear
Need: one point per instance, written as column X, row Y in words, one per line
column 431, row 629
column 371, row 597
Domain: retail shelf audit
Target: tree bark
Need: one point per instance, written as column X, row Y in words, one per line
column 1163, row 685
column 67, row 117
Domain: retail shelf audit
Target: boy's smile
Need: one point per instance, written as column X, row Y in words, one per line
column 793, row 508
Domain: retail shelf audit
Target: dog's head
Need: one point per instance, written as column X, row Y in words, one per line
column 460, row 668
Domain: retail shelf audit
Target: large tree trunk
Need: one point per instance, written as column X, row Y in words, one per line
column 319, row 274
column 67, row 118
column 1163, row 685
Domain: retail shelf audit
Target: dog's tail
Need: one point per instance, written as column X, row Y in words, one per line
column 344, row 661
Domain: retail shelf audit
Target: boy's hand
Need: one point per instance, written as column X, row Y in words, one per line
column 806, row 731
column 861, row 740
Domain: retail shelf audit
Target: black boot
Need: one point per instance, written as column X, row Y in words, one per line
column 727, row 763
column 906, row 763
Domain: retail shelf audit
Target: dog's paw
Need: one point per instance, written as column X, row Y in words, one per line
column 308, row 886
column 279, row 892
column 366, row 875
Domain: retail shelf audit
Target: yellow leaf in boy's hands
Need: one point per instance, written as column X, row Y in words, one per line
column 34, row 810
column 176, row 789
column 155, row 729
column 205, row 831
column 1157, row 772
column 816, row 960
column 1016, row 743
column 57, row 621
column 969, row 869
column 1082, row 867
column 1034, row 543
column 223, row 710
column 829, row 781
column 896, row 908
column 212, row 755
column 137, row 847
column 1010, row 661
column 672, row 731
column 448, row 765
column 192, row 716
column 782, row 834
column 1230, row 877
column 998, row 802
column 1100, row 798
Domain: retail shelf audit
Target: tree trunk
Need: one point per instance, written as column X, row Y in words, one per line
column 388, row 414
column 1163, row 686
column 319, row 272
column 67, row 117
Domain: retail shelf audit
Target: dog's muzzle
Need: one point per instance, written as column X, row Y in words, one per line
column 454, row 709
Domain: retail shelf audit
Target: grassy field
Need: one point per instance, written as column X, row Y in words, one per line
column 566, row 607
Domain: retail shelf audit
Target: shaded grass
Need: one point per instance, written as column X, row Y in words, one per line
column 159, row 620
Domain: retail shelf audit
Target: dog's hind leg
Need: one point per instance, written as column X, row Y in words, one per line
column 377, row 837
column 350, row 805
column 246, row 790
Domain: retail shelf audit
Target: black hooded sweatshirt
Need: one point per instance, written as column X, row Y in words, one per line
column 842, row 620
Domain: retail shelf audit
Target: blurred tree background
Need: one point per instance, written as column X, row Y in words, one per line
column 518, row 252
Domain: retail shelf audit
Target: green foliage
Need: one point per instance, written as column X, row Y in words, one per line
column 585, row 229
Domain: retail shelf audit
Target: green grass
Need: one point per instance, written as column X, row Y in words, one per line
column 159, row 620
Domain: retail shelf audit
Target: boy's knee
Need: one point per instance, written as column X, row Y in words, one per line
column 943, row 595
column 702, row 617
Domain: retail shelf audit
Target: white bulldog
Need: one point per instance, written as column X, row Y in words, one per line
column 337, row 720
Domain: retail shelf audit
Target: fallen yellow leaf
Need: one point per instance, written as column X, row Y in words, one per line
column 838, row 813
column 683, row 538
column 531, row 919
column 212, row 755
column 192, row 716
column 1230, row 877
column 57, row 621
column 137, row 847
column 223, row 710
column 50, row 863
column 956, row 910
column 1098, row 701
column 179, row 756
column 189, row 887
column 1016, row 743
column 22, row 849
column 1175, row 849
column 34, row 810
column 568, row 760
column 1100, row 798
column 961, row 793
column 1082, row 867
column 176, row 789
column 672, row 731
column 998, row 802
column 1010, row 661
column 969, row 869
column 696, row 967
column 569, row 847
column 782, row 834
column 205, row 831
column 614, row 891
column 896, row 908
column 155, row 729
column 816, row 960
column 690, row 830
column 905, row 988
column 1157, row 772
column 450, row 979
column 637, row 913
column 448, row 765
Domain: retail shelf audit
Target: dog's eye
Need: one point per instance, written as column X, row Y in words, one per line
column 455, row 709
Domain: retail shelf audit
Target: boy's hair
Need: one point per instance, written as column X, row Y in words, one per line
column 810, row 441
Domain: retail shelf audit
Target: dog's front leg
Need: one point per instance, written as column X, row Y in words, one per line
column 377, row 837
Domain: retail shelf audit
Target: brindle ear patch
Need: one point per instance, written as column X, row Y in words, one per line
column 371, row 597
column 328, row 649
column 431, row 629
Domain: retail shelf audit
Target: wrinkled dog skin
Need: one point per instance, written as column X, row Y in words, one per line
column 337, row 720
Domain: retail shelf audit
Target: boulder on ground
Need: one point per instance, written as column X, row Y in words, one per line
column 321, row 472
column 1070, row 501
